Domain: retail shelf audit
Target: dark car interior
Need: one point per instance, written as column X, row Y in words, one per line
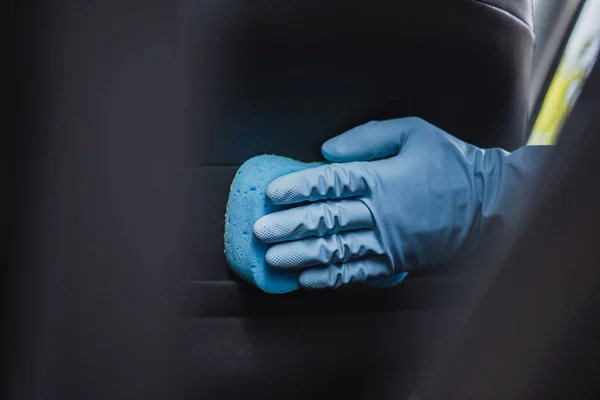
column 137, row 118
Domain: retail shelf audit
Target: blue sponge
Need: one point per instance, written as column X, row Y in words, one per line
column 247, row 203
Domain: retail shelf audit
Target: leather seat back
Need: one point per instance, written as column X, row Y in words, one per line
column 283, row 76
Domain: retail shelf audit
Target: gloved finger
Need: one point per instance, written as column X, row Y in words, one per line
column 371, row 141
column 334, row 276
column 332, row 181
column 314, row 219
column 332, row 249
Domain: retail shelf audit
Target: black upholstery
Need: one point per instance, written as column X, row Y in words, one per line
column 283, row 70
column 282, row 77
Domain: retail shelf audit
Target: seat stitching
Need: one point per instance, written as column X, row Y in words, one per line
column 503, row 11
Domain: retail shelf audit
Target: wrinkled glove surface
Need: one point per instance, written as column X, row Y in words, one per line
column 400, row 194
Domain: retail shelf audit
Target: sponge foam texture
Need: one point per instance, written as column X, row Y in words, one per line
column 246, row 204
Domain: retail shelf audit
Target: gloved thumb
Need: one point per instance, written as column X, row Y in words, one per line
column 371, row 141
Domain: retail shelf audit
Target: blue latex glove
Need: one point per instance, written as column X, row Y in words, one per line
column 401, row 194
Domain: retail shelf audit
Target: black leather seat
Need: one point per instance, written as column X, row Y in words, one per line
column 283, row 76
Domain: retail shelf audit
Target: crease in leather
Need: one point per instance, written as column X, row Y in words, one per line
column 507, row 13
column 218, row 299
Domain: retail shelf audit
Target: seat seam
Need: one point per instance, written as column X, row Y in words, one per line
column 506, row 12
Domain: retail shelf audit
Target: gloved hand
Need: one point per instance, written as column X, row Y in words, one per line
column 401, row 194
